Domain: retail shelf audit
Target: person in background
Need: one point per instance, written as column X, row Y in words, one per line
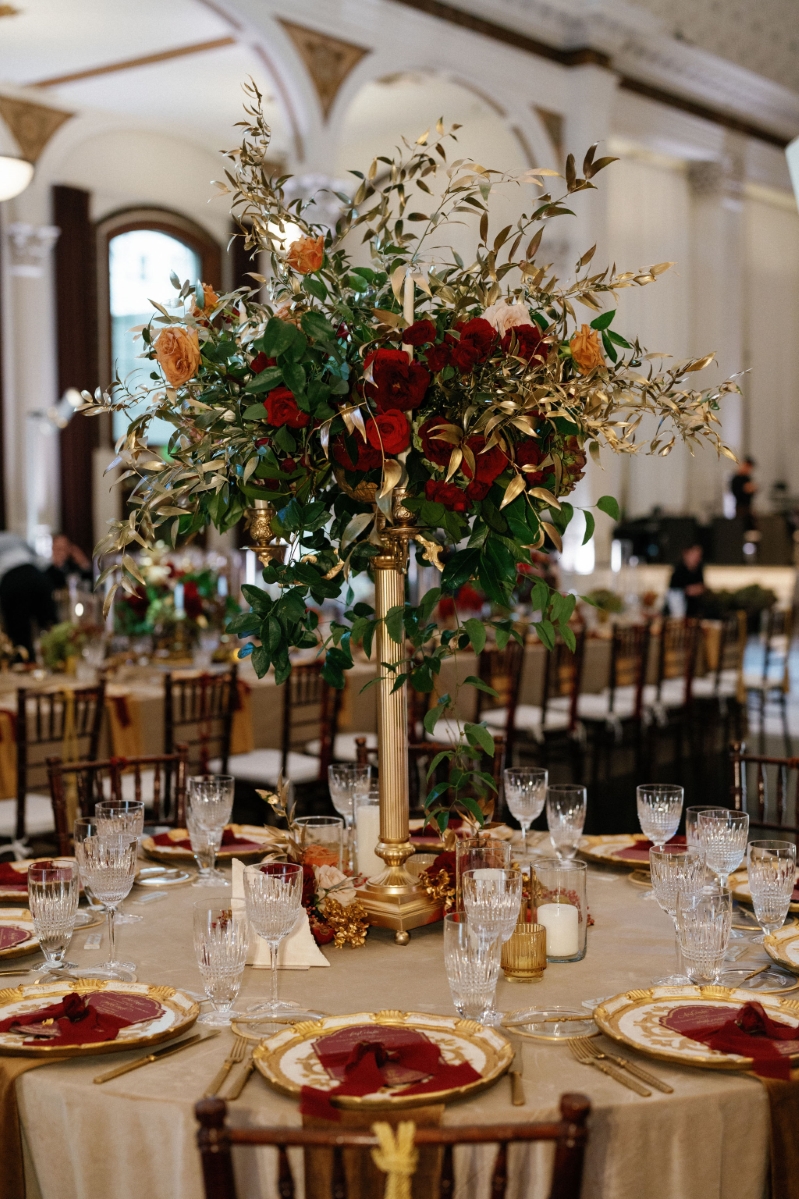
column 688, row 577
column 26, row 593
column 67, row 559
column 743, row 488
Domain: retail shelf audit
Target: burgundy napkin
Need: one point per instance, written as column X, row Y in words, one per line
column 229, row 841
column 365, row 1058
column 11, row 879
column 640, row 851
column 78, row 1020
column 748, row 1031
column 10, row 936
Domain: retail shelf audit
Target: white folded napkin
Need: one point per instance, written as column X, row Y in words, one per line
column 298, row 951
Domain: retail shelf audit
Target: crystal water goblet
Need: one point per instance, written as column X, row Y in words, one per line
column 674, row 871
column 724, row 835
column 525, row 795
column 566, row 808
column 704, row 920
column 480, row 852
column 492, row 900
column 273, row 898
column 659, row 811
column 771, row 867
column 345, row 780
column 210, row 803
column 53, row 894
column 221, row 940
column 472, row 968
column 693, row 837
column 107, row 863
column 122, row 816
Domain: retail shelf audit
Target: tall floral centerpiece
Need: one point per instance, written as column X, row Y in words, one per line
column 348, row 411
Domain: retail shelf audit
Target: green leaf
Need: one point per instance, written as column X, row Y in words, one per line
column 619, row 340
column 610, row 506
column 609, row 348
column 478, row 734
column 567, row 633
column 602, row 321
column 460, row 568
column 255, row 412
column 428, row 603
column 473, row 681
column 294, row 377
column 277, row 338
column 260, row 660
column 477, row 634
column 590, row 525
column 546, row 632
column 316, row 327
column 315, row 287
column 394, row 623
column 267, row 379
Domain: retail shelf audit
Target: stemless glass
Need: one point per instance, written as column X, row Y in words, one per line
column 472, row 968
column 693, row 837
column 704, row 920
column 479, row 853
column 122, row 816
column 525, row 795
column 322, row 840
column 221, row 940
column 724, row 834
column 210, row 803
column 771, row 866
column 345, row 781
column 492, row 899
column 674, row 871
column 273, row 898
column 659, row 811
column 53, row 893
column 107, row 863
column 566, row 805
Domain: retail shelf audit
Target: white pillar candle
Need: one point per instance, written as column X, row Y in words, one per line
column 367, row 831
column 489, row 873
column 561, row 922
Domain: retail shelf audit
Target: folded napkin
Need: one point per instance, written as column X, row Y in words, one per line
column 11, row 936
column 11, row 879
column 640, row 851
column 298, row 951
column 229, row 841
column 366, row 1058
column 748, row 1031
column 81, row 1020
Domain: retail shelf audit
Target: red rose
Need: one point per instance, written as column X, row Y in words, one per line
column 389, row 431
column 435, row 450
column 529, row 453
column 260, row 362
column 367, row 459
column 397, row 383
column 437, row 357
column 477, row 490
column 447, row 494
column 488, row 465
column 419, row 333
column 281, row 409
column 528, row 342
column 477, row 340
column 192, row 600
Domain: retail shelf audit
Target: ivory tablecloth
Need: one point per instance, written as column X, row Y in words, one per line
column 134, row 1137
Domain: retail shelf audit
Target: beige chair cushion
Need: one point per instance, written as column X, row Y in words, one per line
column 345, row 749
column 262, row 767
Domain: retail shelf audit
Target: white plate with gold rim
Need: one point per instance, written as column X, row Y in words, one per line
column 259, row 840
column 19, row 891
column 739, row 886
column 17, row 935
column 172, row 1013
column 783, row 947
column 605, row 850
column 635, row 1018
column 289, row 1062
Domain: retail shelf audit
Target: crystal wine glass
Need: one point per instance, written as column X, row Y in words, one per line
column 273, row 898
column 475, row 853
column 107, row 863
column 692, row 836
column 122, row 816
column 221, row 940
column 345, row 781
column 724, row 834
column 492, row 899
column 472, row 968
column 771, row 866
column 566, row 807
column 659, row 811
column 525, row 795
column 210, row 803
column 674, row 871
column 53, row 893
column 704, row 920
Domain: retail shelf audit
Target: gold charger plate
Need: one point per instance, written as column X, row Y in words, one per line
column 249, row 832
column 179, row 1013
column 603, row 848
column 633, row 1019
column 783, row 947
column 739, row 886
column 19, row 918
column 7, row 893
column 287, row 1060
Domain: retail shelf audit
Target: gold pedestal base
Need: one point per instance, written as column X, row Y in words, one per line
column 396, row 900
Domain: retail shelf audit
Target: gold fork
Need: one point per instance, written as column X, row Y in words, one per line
column 651, row 1079
column 235, row 1056
column 582, row 1055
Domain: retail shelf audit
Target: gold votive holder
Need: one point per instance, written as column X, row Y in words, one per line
column 524, row 954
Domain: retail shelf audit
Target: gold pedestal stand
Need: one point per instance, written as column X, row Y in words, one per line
column 259, row 526
column 394, row 899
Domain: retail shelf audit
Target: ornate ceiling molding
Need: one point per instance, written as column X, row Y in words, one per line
column 328, row 59
column 32, row 125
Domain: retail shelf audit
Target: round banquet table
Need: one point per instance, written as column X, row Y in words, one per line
column 135, row 1136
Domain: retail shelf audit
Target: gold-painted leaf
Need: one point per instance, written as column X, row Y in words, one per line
column 541, row 493
column 699, row 364
column 392, row 473
column 455, row 460
column 514, row 488
column 553, row 535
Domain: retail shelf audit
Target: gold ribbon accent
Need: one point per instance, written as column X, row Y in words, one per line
column 397, row 1157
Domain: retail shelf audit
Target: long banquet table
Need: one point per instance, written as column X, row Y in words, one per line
column 135, row 1136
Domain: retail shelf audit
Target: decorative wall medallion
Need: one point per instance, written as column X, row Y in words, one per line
column 328, row 59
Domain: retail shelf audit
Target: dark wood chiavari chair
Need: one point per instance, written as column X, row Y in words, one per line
column 776, row 796
column 614, row 715
column 569, row 1134
column 46, row 720
column 198, row 712
column 421, row 755
column 500, row 669
column 772, row 684
column 668, row 702
column 159, row 780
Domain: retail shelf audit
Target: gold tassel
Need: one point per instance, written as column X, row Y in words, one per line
column 396, row 1157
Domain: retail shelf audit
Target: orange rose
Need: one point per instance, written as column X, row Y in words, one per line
column 586, row 350
column 306, row 254
column 178, row 354
column 210, row 300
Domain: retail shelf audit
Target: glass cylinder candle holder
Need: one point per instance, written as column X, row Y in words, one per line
column 561, row 906
column 479, row 853
column 367, row 833
column 322, row 840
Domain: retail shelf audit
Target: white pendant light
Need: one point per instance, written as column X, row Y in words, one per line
column 15, row 175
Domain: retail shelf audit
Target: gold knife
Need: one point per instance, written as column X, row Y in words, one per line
column 651, row 1080
column 154, row 1057
column 242, row 1080
column 515, row 1072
